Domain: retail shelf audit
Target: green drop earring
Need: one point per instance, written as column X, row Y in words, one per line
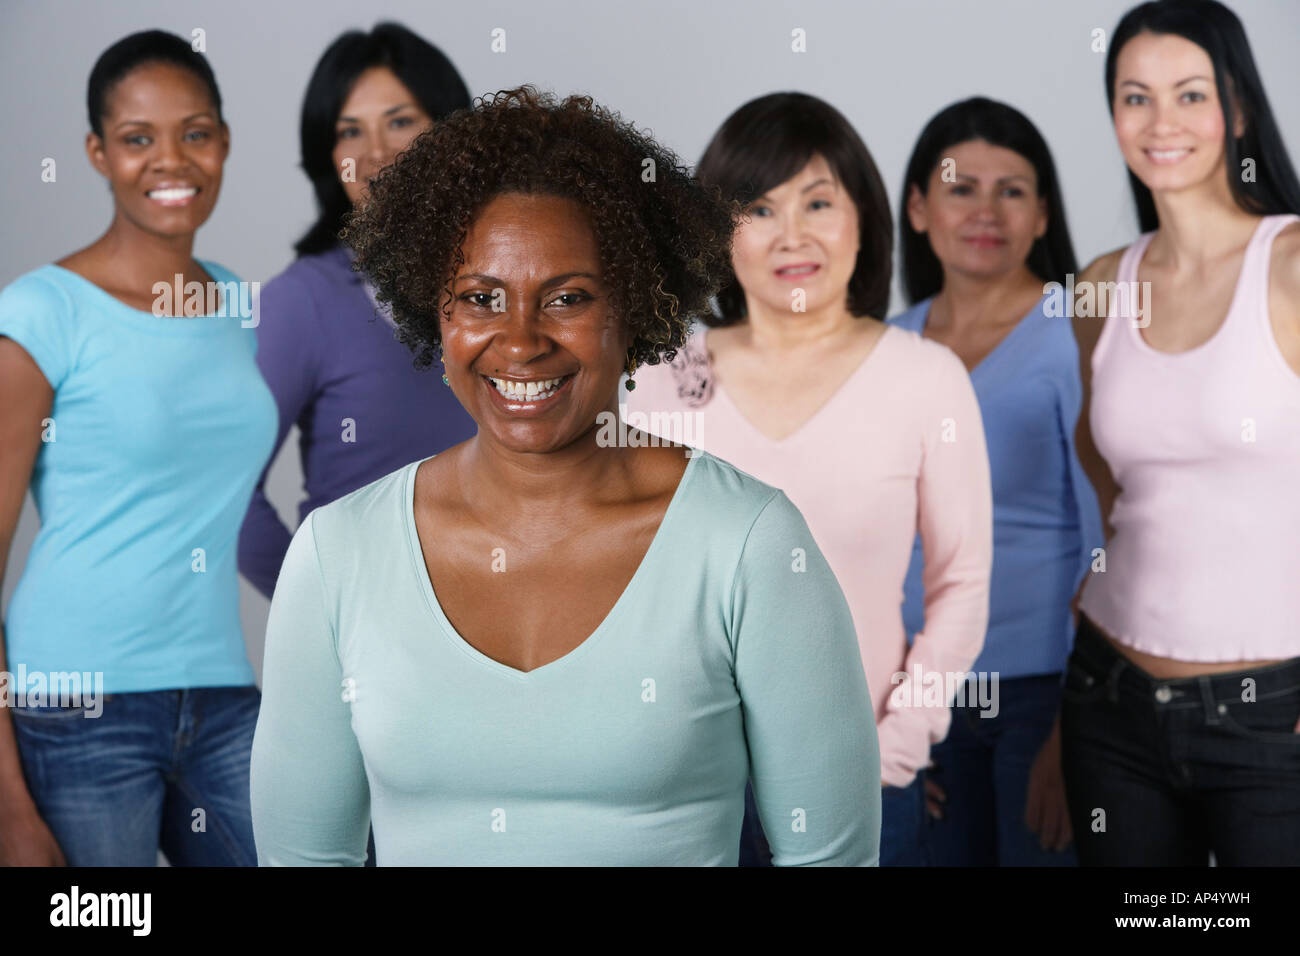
column 631, row 370
column 442, row 357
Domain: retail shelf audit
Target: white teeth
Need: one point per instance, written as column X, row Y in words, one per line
column 797, row 270
column 1166, row 155
column 527, row 391
column 172, row 194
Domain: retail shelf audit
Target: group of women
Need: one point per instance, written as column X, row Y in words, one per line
column 496, row 637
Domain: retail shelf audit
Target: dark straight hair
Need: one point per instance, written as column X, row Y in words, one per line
column 419, row 65
column 142, row 49
column 1217, row 31
column 1052, row 255
column 768, row 141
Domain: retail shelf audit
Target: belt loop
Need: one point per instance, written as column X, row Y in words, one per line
column 1112, row 679
column 1207, row 698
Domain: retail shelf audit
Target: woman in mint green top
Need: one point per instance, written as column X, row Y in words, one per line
column 140, row 421
column 552, row 644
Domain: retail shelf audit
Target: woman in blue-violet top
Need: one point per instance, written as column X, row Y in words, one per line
column 544, row 645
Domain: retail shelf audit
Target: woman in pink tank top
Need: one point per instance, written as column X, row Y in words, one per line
column 1180, row 718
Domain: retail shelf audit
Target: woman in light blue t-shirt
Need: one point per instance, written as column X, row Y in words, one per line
column 131, row 403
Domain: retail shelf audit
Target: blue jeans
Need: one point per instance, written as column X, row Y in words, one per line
column 157, row 770
column 903, row 832
column 1166, row 772
column 983, row 767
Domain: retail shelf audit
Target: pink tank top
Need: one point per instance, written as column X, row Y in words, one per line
column 1204, row 564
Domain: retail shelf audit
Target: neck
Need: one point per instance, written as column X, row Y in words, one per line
column 540, row 488
column 966, row 300
column 1200, row 225
column 784, row 331
column 141, row 258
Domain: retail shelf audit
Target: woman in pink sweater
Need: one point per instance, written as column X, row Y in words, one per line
column 873, row 432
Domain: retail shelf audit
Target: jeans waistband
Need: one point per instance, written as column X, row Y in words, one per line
column 1122, row 675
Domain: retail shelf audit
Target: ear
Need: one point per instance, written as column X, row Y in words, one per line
column 916, row 209
column 1044, row 219
column 225, row 142
column 95, row 153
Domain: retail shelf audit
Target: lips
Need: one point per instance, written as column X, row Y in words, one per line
column 986, row 242
column 797, row 270
column 1167, row 157
column 179, row 195
column 526, row 396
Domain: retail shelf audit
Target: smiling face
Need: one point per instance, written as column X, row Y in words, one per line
column 532, row 347
column 803, row 234
column 983, row 221
column 378, row 120
column 1167, row 113
column 163, row 149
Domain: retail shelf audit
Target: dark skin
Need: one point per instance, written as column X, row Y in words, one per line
column 160, row 129
column 573, row 519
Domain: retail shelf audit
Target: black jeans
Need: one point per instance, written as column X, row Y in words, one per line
column 1164, row 772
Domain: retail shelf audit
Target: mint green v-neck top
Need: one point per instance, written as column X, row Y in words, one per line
column 730, row 654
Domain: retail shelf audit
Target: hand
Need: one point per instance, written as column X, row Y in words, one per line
column 1046, row 811
column 935, row 797
column 25, row 840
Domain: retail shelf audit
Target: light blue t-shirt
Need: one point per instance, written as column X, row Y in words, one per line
column 731, row 653
column 159, row 430
column 1046, row 520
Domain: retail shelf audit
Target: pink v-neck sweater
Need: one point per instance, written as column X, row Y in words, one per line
column 898, row 449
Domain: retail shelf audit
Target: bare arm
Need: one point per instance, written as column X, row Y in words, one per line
column 1087, row 329
column 26, row 398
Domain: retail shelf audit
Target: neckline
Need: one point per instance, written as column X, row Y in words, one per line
column 997, row 350
column 416, row 554
column 1142, row 245
column 821, row 411
column 182, row 325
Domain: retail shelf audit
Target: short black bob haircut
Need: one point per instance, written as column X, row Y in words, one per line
column 664, row 238
column 1217, row 31
column 419, row 65
column 768, row 141
column 137, row 50
column 1052, row 255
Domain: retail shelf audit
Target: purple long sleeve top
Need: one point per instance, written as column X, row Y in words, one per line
column 337, row 370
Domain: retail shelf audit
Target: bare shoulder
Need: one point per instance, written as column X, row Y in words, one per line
column 1104, row 268
column 1087, row 327
column 1284, row 267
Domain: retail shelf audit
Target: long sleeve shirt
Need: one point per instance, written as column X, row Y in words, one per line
column 337, row 371
column 719, row 662
column 898, row 449
column 1046, row 520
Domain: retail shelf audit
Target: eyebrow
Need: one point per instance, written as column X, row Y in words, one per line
column 388, row 112
column 1000, row 179
column 140, row 122
column 1176, row 85
column 554, row 280
column 811, row 186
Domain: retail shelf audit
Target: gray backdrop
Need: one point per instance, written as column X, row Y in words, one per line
column 677, row 67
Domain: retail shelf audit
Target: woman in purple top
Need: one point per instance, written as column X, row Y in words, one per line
column 332, row 363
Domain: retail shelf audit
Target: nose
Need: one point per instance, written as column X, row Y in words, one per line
column 1164, row 118
column 792, row 230
column 167, row 154
column 521, row 339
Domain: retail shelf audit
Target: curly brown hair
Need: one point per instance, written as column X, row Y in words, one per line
column 664, row 238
